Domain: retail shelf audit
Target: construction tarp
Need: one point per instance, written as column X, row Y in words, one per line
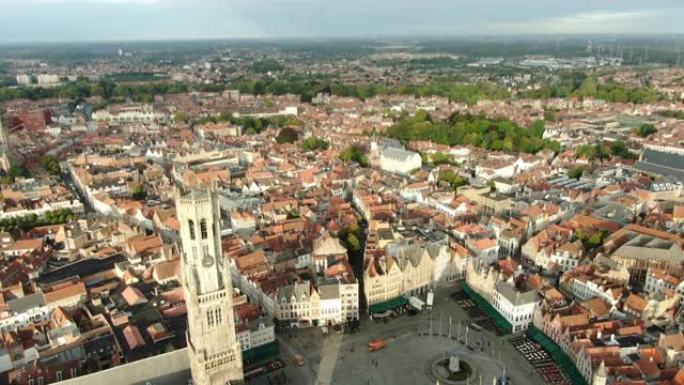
column 559, row 356
column 501, row 322
column 391, row 304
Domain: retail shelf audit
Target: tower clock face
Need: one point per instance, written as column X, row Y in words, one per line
column 207, row 261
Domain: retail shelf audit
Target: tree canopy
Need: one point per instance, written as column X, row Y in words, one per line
column 498, row 134
column 313, row 144
column 139, row 193
column 579, row 84
column 354, row 153
column 454, row 180
column 30, row 221
column 645, row 130
column 50, row 164
column 575, row 172
column 287, row 135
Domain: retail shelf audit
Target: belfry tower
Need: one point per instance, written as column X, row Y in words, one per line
column 214, row 352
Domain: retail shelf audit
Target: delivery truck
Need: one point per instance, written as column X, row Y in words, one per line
column 376, row 345
column 416, row 303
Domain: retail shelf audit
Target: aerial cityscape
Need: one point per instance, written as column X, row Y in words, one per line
column 341, row 193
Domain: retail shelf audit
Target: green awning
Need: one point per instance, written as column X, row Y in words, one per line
column 262, row 352
column 500, row 321
column 559, row 356
column 387, row 305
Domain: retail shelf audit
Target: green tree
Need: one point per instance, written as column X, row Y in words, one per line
column 645, row 130
column 16, row 171
column 106, row 88
column 549, row 115
column 352, row 242
column 313, row 144
column 575, row 172
column 475, row 130
column 538, row 128
column 287, row 135
column 454, row 180
column 181, row 116
column 51, row 165
column 442, row 158
column 267, row 65
column 619, row 148
column 354, row 153
column 139, row 193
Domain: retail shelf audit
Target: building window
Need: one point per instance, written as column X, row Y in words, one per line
column 203, row 228
column 191, row 226
column 210, row 318
column 59, row 375
column 219, row 316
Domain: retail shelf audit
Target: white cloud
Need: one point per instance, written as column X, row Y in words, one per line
column 588, row 22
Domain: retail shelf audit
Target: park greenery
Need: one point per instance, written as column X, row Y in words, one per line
column 138, row 193
column 14, row 172
column 350, row 237
column 313, row 143
column 575, row 172
column 645, row 130
column 113, row 89
column 354, row 153
column 602, row 151
column 499, row 134
column 456, row 91
column 591, row 240
column 438, row 158
column 266, row 65
column 106, row 88
column 30, row 221
column 454, row 180
column 287, row 135
column 581, row 85
column 549, row 115
column 677, row 114
column 50, row 164
column 252, row 125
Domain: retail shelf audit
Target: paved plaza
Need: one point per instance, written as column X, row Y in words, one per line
column 413, row 342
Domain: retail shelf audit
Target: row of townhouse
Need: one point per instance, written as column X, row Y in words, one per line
column 329, row 302
column 401, row 270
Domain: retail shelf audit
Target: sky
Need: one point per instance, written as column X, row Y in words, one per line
column 128, row 20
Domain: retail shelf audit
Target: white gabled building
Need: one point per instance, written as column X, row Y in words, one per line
column 517, row 307
column 399, row 161
column 255, row 333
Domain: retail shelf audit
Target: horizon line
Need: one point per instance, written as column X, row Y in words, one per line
column 427, row 37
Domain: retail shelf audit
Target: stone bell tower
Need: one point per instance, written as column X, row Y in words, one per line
column 214, row 352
